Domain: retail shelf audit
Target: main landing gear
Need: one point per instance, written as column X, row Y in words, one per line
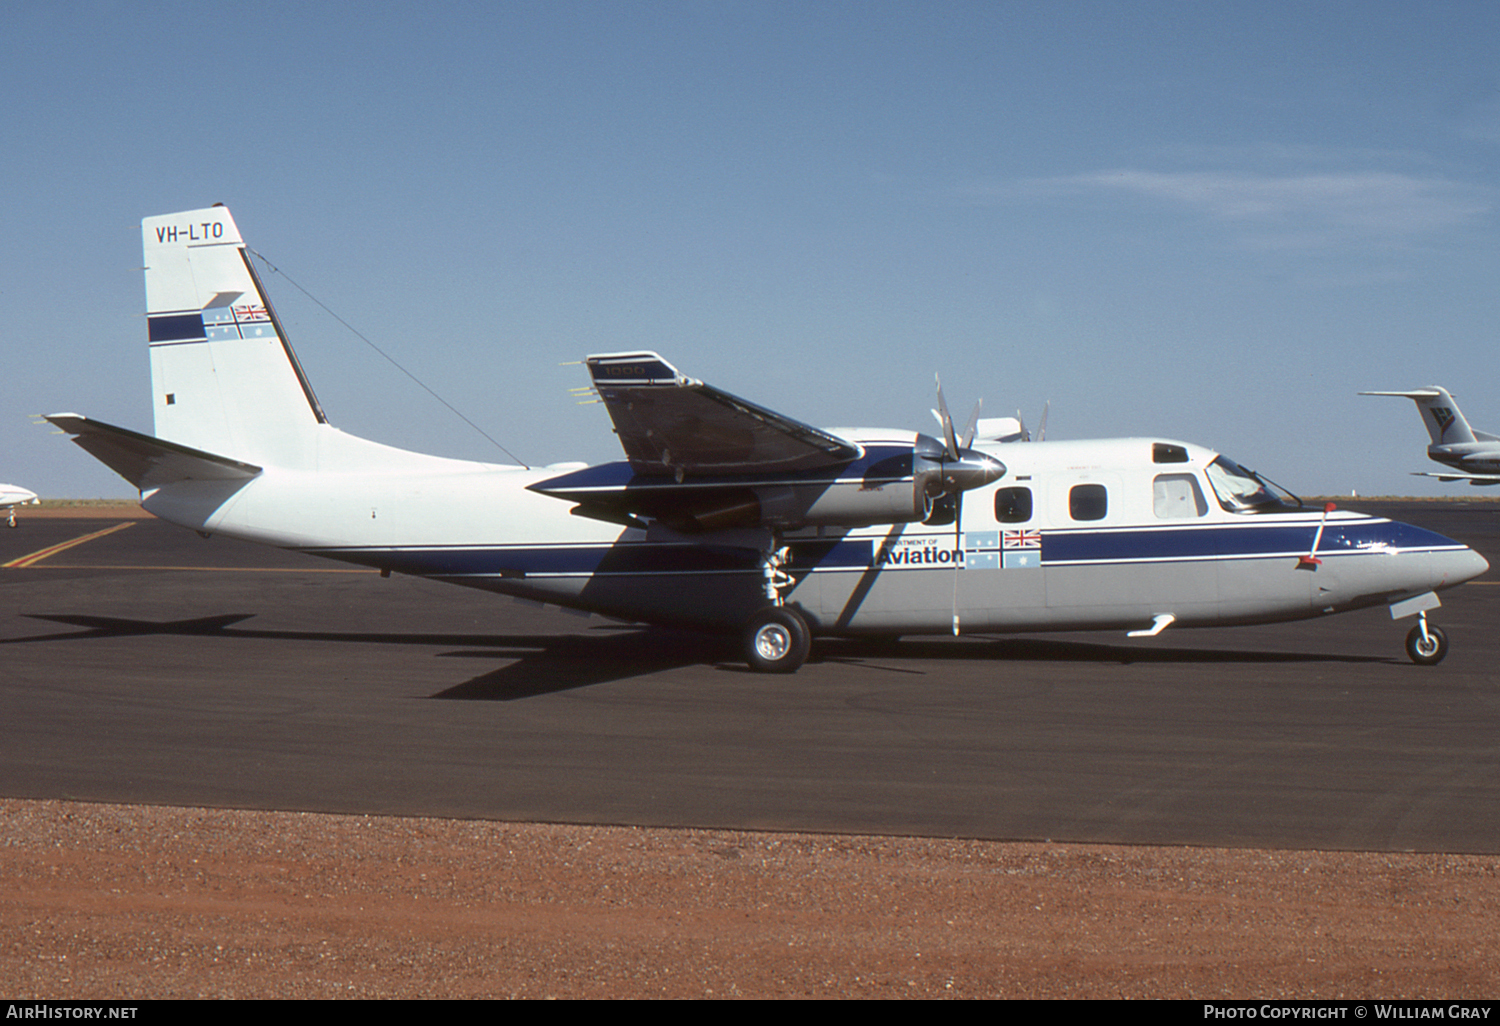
column 777, row 640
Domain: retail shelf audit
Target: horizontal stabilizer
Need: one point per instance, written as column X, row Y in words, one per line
column 145, row 461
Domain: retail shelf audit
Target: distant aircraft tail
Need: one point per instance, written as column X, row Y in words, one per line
column 224, row 378
column 1445, row 421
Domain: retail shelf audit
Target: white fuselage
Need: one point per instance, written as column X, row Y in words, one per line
column 1103, row 537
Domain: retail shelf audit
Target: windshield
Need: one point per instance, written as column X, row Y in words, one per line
column 1244, row 491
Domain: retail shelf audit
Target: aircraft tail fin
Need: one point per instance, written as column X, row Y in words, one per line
column 224, row 378
column 1445, row 421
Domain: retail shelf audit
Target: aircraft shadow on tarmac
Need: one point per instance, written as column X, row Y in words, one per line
column 544, row 664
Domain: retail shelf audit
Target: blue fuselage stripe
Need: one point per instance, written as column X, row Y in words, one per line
column 1058, row 548
column 1234, row 541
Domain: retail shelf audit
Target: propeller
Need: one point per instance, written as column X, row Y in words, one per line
column 1041, row 432
column 948, row 466
column 946, row 469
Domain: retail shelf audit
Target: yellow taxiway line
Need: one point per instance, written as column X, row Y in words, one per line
column 52, row 550
column 40, row 554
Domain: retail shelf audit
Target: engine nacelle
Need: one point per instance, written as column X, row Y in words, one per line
column 848, row 503
column 898, row 490
column 895, row 489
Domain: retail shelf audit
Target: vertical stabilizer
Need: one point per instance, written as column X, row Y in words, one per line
column 1445, row 421
column 223, row 376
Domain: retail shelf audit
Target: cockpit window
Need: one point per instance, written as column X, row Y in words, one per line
column 1244, row 491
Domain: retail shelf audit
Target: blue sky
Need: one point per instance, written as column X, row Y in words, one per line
column 1207, row 221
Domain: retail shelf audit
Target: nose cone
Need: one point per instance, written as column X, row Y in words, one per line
column 1389, row 560
column 1439, row 562
column 1458, row 566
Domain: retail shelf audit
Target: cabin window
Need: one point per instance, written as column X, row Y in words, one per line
column 1013, row 505
column 1177, row 497
column 1166, row 452
column 1088, row 502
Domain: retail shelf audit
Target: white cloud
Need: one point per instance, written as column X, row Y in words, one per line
column 1302, row 210
column 1373, row 201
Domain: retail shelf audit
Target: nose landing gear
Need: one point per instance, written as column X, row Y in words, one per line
column 1426, row 644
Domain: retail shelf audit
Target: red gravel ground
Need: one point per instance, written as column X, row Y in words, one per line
column 129, row 902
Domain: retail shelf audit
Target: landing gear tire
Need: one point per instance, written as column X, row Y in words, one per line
column 777, row 641
column 1428, row 651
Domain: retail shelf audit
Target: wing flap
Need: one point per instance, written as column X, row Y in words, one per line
column 145, row 461
column 670, row 424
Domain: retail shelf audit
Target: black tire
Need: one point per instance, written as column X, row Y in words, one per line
column 1429, row 651
column 777, row 641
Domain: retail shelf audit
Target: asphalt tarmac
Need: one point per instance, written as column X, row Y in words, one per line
column 149, row 665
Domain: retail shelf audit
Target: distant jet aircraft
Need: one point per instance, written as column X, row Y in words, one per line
column 727, row 516
column 1474, row 454
column 12, row 496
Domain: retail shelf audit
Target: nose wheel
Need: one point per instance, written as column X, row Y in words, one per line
column 777, row 640
column 1426, row 644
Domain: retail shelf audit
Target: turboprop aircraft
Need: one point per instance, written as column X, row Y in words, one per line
column 1474, row 454
column 728, row 516
column 12, row 496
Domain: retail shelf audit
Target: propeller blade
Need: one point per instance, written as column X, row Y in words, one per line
column 946, row 419
column 973, row 426
column 1041, row 432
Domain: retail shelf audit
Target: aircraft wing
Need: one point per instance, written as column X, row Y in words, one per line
column 1476, row 479
column 670, row 424
column 698, row 459
column 146, row 461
